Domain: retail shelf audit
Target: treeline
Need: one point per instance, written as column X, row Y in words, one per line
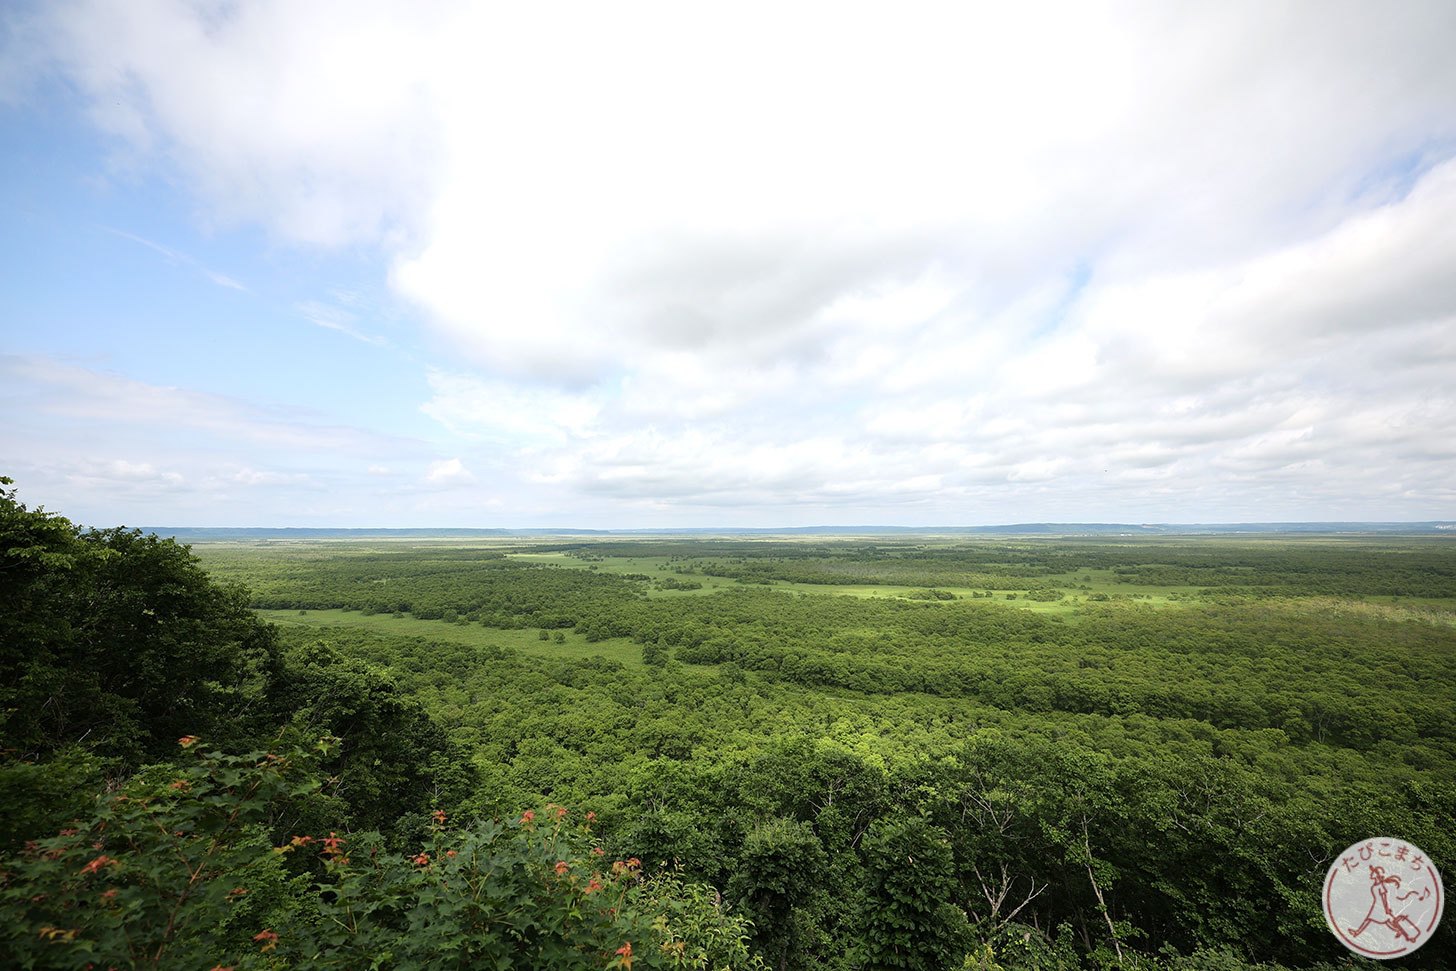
column 1288, row 566
column 444, row 584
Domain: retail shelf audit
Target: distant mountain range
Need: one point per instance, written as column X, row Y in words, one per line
column 204, row 534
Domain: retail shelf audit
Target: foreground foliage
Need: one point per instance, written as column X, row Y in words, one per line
column 178, row 870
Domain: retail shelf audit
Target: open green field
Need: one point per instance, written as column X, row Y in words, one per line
column 618, row 649
column 1086, row 583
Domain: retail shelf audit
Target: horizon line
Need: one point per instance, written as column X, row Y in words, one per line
column 866, row 527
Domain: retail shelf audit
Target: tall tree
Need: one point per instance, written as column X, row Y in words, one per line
column 119, row 641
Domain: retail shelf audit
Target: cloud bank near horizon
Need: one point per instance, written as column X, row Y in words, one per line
column 804, row 263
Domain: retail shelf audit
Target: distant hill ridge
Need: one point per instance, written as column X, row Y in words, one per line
column 202, row 534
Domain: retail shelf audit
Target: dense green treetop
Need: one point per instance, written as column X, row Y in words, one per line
column 119, row 640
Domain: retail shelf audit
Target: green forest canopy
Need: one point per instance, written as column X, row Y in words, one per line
column 856, row 753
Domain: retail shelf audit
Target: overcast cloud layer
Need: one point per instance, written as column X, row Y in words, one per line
column 670, row 264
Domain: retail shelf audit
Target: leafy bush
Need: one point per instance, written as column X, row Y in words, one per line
column 177, row 870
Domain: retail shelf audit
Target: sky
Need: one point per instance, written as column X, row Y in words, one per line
column 634, row 265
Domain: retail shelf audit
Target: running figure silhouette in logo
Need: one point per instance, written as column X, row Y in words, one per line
column 1383, row 897
column 1381, row 887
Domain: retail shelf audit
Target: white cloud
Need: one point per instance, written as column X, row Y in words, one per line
column 177, row 258
column 1156, row 262
column 505, row 412
column 103, row 447
column 223, row 280
column 1178, row 393
column 334, row 318
column 264, row 477
column 124, row 471
column 447, row 472
column 301, row 116
column 107, row 404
